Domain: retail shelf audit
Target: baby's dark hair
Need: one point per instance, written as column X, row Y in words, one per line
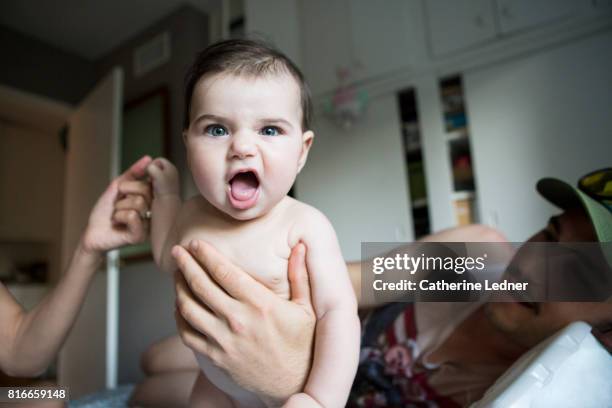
column 244, row 57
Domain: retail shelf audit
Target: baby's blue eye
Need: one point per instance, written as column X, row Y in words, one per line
column 216, row 130
column 270, row 131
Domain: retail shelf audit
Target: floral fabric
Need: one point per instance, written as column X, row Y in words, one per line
column 389, row 373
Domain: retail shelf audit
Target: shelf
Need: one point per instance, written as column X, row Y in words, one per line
column 410, row 126
column 419, row 203
column 451, row 90
column 457, row 135
column 460, row 110
column 413, row 159
column 413, row 150
column 462, row 195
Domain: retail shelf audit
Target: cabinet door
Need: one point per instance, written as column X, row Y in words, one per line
column 460, row 24
column 325, row 42
column 386, row 35
column 516, row 15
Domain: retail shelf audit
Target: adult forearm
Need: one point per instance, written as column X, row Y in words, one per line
column 52, row 318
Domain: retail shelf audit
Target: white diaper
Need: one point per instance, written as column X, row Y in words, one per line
column 224, row 382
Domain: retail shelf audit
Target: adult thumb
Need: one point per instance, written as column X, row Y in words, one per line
column 298, row 276
column 136, row 170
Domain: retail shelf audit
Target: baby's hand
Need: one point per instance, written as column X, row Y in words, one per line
column 164, row 177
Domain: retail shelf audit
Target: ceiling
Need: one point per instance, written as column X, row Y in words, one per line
column 89, row 28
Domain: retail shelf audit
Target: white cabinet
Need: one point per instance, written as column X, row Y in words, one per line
column 275, row 21
column 325, row 42
column 370, row 38
column 516, row 15
column 386, row 35
column 460, row 24
column 376, row 39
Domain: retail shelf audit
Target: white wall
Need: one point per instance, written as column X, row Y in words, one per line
column 358, row 178
column 547, row 114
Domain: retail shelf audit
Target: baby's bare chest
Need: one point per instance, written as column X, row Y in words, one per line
column 260, row 250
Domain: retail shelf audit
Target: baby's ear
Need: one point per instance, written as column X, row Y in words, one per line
column 307, row 139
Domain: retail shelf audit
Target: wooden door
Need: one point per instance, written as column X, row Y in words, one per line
column 86, row 361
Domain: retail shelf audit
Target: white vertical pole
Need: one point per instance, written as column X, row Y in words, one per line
column 112, row 258
column 112, row 318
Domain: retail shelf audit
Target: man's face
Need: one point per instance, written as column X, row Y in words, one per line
column 245, row 143
column 528, row 324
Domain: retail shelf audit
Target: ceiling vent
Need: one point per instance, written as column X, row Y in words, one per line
column 152, row 54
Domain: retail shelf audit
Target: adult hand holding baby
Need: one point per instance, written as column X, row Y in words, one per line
column 263, row 341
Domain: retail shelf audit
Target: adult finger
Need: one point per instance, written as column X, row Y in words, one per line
column 197, row 315
column 134, row 225
column 136, row 170
column 298, row 276
column 126, row 217
column 133, row 202
column 195, row 340
column 141, row 188
column 235, row 281
column 201, row 284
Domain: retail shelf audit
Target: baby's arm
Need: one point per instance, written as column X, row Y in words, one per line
column 164, row 209
column 336, row 353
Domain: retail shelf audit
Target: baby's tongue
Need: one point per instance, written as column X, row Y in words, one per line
column 244, row 186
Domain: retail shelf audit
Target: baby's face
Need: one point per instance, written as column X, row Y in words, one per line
column 245, row 144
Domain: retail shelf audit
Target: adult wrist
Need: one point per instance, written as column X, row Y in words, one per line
column 85, row 254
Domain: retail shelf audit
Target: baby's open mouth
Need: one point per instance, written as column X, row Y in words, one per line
column 244, row 188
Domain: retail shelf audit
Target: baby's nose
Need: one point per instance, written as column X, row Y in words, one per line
column 242, row 146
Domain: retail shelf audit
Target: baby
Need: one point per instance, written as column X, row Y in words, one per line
column 246, row 134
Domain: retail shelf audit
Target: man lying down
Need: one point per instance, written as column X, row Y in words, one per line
column 446, row 354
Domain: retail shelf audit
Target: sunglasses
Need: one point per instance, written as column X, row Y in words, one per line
column 598, row 186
